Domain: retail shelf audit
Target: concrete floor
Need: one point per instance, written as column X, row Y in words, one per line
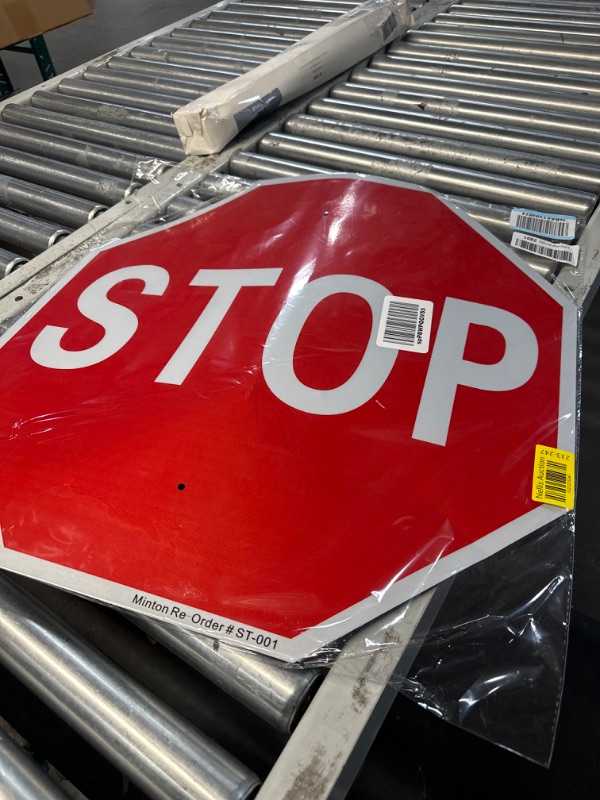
column 113, row 24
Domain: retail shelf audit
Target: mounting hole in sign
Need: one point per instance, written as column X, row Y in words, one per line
column 18, row 297
column 180, row 487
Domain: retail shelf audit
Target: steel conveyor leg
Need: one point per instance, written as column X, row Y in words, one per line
column 6, row 86
column 36, row 47
column 42, row 56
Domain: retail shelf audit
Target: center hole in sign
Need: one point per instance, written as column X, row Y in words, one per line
column 180, row 487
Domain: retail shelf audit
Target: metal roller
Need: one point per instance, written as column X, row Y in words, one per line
column 141, row 82
column 442, row 178
column 474, row 132
column 304, row 19
column 170, row 73
column 9, row 262
column 493, row 217
column 535, row 13
column 535, row 6
column 194, row 60
column 532, row 13
column 70, row 151
column 65, row 178
column 159, row 750
column 22, row 777
column 289, row 32
column 256, row 167
column 501, row 27
column 499, row 161
column 275, row 44
column 202, row 48
column 551, row 7
column 496, row 220
column 148, row 101
column 48, row 204
column 204, row 705
column 200, row 37
column 258, row 10
column 486, row 112
column 461, row 54
column 551, row 34
column 28, row 234
column 278, row 695
column 182, row 206
column 504, row 78
column 194, row 77
column 342, row 5
column 116, row 122
column 462, row 88
column 224, row 21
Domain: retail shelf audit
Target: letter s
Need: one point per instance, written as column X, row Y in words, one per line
column 119, row 323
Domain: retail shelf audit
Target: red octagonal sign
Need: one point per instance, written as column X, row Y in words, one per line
column 229, row 424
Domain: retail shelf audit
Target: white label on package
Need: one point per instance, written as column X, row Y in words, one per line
column 566, row 253
column 389, row 26
column 405, row 324
column 555, row 226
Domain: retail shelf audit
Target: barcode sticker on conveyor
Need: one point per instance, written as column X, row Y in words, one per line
column 554, row 477
column 556, row 226
column 405, row 324
column 566, row 253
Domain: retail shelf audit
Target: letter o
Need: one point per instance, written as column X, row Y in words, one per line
column 278, row 355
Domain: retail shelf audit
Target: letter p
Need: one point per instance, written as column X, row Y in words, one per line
column 448, row 369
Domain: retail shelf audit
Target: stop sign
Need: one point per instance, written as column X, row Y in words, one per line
column 277, row 419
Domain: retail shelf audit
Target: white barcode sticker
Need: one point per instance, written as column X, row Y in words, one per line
column 555, row 226
column 566, row 253
column 405, row 324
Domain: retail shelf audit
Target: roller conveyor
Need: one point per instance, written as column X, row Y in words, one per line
column 107, row 120
column 462, row 114
column 94, row 153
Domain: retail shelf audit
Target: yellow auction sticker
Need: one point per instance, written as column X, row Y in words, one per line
column 554, row 477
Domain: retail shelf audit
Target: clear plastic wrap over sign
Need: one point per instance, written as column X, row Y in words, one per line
column 285, row 415
column 493, row 661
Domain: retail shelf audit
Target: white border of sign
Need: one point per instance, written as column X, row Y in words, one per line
column 379, row 602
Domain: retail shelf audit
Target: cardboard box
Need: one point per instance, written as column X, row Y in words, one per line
column 207, row 124
column 23, row 19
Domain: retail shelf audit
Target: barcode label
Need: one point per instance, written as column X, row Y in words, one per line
column 405, row 324
column 566, row 253
column 554, row 477
column 555, row 226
